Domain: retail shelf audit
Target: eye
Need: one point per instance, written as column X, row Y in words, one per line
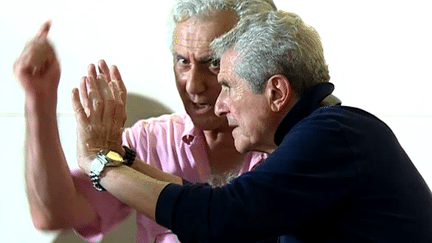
column 181, row 60
column 214, row 63
column 225, row 86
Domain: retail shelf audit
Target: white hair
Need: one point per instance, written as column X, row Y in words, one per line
column 207, row 9
column 275, row 42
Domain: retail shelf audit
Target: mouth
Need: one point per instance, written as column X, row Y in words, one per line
column 202, row 107
column 231, row 122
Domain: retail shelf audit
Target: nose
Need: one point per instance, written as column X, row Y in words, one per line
column 196, row 81
column 221, row 109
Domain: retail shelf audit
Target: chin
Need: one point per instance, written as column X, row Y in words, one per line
column 240, row 147
column 242, row 150
column 209, row 122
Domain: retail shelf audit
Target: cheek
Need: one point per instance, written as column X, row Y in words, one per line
column 237, row 94
column 180, row 81
column 216, row 89
column 180, row 72
column 210, row 80
column 248, row 114
column 248, row 125
column 237, row 115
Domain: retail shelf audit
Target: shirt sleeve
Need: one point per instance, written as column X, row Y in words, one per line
column 109, row 209
column 310, row 174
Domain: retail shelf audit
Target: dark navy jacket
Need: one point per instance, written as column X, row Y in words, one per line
column 338, row 175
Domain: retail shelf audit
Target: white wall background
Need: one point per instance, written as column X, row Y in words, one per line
column 379, row 53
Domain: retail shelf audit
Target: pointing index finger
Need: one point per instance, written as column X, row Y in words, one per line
column 44, row 29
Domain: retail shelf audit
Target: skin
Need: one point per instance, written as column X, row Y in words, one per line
column 59, row 205
column 196, row 79
column 254, row 117
column 54, row 201
column 121, row 181
column 38, row 72
column 100, row 114
column 196, row 70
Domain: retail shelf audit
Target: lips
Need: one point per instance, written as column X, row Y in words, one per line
column 231, row 122
column 202, row 107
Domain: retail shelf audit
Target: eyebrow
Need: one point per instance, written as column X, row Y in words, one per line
column 177, row 56
column 203, row 59
column 206, row 59
column 223, row 82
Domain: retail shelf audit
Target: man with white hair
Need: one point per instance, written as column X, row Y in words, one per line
column 196, row 145
column 334, row 174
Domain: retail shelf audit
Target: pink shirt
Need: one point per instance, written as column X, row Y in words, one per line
column 171, row 143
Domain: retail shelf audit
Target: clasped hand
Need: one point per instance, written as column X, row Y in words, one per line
column 37, row 68
column 100, row 113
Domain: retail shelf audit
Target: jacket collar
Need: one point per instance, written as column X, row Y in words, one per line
column 309, row 101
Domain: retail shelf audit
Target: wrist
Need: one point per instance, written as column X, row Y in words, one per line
column 40, row 96
column 98, row 165
column 129, row 156
column 122, row 151
column 85, row 163
column 36, row 106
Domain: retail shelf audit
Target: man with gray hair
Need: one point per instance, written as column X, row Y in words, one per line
column 338, row 173
column 196, row 145
column 334, row 173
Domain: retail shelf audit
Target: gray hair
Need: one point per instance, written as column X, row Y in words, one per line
column 207, row 9
column 275, row 42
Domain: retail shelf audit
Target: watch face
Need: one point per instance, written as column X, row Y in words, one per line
column 114, row 156
column 97, row 165
column 103, row 159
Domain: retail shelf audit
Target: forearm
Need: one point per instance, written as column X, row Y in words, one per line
column 53, row 198
column 155, row 173
column 135, row 189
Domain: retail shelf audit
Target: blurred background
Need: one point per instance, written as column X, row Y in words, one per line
column 379, row 54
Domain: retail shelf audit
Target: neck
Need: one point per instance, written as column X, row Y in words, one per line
column 223, row 157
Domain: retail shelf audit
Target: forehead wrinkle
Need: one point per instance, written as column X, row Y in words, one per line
column 191, row 43
column 197, row 34
column 222, row 75
column 191, row 36
column 226, row 64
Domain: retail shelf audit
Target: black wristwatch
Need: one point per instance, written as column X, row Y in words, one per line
column 103, row 159
column 129, row 157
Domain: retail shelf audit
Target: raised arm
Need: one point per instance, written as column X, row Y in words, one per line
column 53, row 198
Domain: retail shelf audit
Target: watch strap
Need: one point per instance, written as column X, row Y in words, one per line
column 95, row 179
column 129, row 157
column 103, row 159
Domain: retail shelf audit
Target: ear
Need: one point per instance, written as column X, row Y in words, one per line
column 278, row 92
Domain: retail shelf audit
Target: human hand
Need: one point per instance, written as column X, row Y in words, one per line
column 110, row 73
column 100, row 116
column 37, row 68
